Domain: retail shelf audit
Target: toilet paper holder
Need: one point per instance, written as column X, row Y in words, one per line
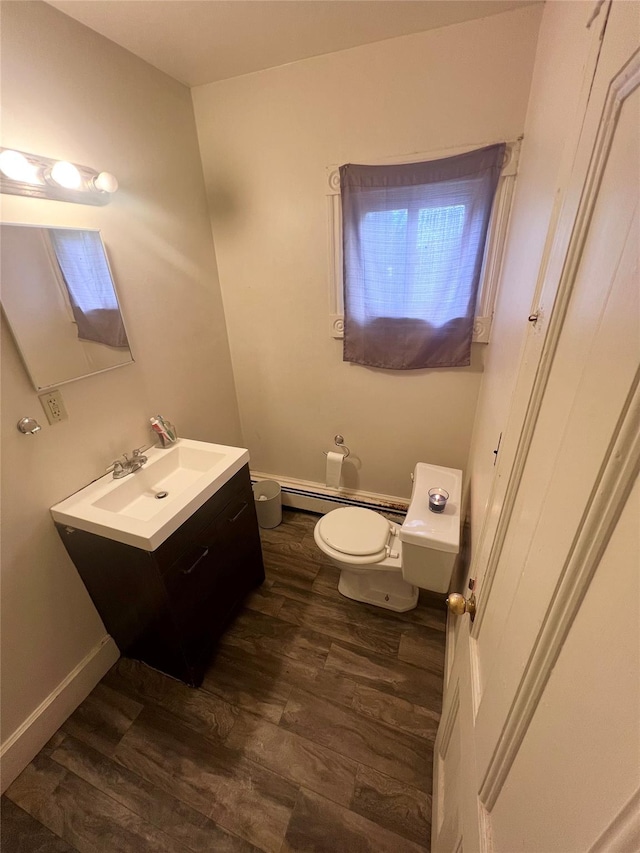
column 339, row 441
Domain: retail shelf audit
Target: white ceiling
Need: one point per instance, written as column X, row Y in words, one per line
column 200, row 41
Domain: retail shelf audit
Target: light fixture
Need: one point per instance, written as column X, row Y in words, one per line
column 66, row 175
column 15, row 165
column 59, row 180
column 106, row 182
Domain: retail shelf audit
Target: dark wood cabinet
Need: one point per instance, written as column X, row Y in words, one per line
column 168, row 607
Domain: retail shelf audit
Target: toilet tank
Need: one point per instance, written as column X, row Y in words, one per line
column 431, row 540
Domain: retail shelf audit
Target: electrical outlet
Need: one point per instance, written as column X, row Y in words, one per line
column 53, row 407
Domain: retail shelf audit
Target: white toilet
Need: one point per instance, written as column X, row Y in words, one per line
column 384, row 563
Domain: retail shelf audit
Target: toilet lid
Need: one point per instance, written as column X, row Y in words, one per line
column 356, row 531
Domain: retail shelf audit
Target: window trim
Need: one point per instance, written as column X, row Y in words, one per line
column 494, row 250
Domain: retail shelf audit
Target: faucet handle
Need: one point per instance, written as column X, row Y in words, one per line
column 138, row 459
column 138, row 456
column 116, row 467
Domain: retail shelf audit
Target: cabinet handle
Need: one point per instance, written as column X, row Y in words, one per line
column 239, row 513
column 205, row 551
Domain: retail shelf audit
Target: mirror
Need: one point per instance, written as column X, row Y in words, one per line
column 60, row 302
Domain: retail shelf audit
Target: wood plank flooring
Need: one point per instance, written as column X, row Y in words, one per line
column 313, row 732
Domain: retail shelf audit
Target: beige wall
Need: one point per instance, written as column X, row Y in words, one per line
column 265, row 140
column 69, row 93
column 557, row 88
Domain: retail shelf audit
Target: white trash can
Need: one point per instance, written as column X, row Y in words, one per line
column 268, row 497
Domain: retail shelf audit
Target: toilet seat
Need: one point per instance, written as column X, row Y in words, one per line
column 355, row 535
column 368, row 551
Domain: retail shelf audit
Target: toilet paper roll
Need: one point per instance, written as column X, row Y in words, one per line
column 334, row 469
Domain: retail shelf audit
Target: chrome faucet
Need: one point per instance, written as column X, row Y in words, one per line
column 128, row 464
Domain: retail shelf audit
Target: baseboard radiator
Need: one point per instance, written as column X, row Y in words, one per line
column 314, row 497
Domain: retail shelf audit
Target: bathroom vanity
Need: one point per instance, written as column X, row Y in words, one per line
column 168, row 605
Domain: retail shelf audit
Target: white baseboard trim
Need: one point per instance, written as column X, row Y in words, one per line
column 316, row 497
column 29, row 738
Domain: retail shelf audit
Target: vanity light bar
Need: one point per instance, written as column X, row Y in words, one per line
column 40, row 177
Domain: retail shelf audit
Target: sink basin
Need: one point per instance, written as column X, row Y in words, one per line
column 146, row 507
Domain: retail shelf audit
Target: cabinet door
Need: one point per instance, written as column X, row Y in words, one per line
column 238, row 544
column 192, row 581
column 208, row 582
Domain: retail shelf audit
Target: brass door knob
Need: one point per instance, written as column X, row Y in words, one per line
column 459, row 605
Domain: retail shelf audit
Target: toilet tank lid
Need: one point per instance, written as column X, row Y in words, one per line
column 440, row 531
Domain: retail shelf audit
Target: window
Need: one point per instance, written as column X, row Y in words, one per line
column 407, row 242
column 434, row 235
column 85, row 272
column 84, row 267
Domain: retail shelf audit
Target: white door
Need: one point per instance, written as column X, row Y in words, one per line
column 539, row 745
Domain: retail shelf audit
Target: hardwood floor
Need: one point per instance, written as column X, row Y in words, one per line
column 313, row 732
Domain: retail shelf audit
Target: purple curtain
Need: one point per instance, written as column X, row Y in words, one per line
column 414, row 237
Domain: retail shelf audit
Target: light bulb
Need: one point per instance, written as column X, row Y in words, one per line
column 106, row 182
column 16, row 166
column 66, row 175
